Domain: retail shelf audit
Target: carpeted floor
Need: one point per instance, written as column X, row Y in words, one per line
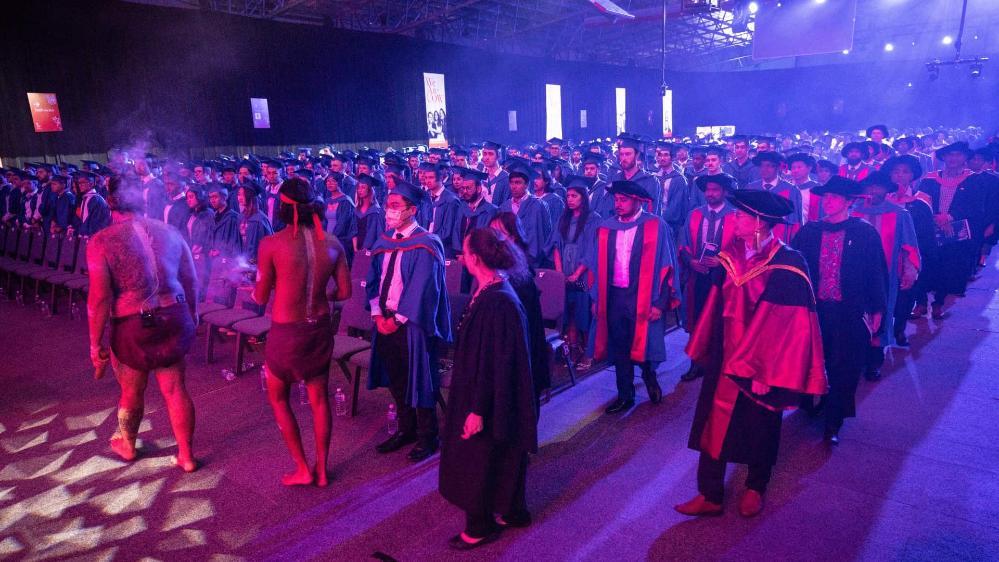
column 915, row 478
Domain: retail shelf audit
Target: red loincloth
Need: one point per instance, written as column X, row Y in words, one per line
column 299, row 351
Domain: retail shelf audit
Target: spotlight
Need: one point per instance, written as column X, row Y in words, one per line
column 889, row 47
column 846, row 51
column 947, row 40
column 976, row 70
column 820, row 1
column 909, row 85
column 753, row 7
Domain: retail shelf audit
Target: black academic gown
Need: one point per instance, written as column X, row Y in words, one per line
column 492, row 378
column 529, row 295
column 957, row 259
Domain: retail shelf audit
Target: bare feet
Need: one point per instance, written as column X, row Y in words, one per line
column 185, row 464
column 301, row 477
column 322, row 479
column 123, row 448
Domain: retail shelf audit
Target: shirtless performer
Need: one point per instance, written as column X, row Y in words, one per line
column 297, row 263
column 142, row 279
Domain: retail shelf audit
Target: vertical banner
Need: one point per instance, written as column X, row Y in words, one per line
column 668, row 114
column 553, row 111
column 620, row 113
column 45, row 112
column 433, row 91
column 582, row 118
column 511, row 120
column 261, row 116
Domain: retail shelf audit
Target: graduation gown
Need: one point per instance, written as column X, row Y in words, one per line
column 496, row 189
column 744, row 173
column 341, row 221
column 92, row 214
column 920, row 209
column 681, row 199
column 572, row 252
column 957, row 258
column 601, row 201
column 198, row 233
column 61, row 214
column 443, row 219
column 479, row 217
column 177, row 212
column 654, row 276
column 862, row 279
column 900, row 252
column 759, row 323
column 537, row 223
column 155, row 197
column 425, row 305
column 492, row 378
column 690, row 244
column 370, row 226
column 856, row 174
column 270, row 203
column 225, row 234
column 252, row 230
column 785, row 232
column 811, row 205
column 556, row 205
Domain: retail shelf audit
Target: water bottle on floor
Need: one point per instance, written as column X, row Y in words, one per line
column 340, row 403
column 303, row 394
column 392, row 420
column 43, row 307
column 263, row 379
column 228, row 375
column 74, row 311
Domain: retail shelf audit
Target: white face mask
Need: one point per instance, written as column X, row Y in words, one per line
column 393, row 218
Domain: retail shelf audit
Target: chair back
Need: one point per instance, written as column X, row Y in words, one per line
column 361, row 265
column 4, row 238
column 551, row 285
column 452, row 276
column 53, row 249
column 69, row 255
column 81, row 255
column 25, row 240
column 354, row 315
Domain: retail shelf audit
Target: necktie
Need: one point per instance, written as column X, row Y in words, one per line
column 387, row 284
column 712, row 224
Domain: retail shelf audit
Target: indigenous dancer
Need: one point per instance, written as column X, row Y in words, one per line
column 297, row 263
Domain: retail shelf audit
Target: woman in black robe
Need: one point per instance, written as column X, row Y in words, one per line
column 491, row 424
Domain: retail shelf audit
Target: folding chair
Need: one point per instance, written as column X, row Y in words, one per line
column 243, row 309
column 551, row 284
column 349, row 341
column 251, row 329
column 56, row 250
column 31, row 251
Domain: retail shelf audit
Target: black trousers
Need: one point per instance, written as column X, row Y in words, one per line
column 847, row 352
column 711, row 478
column 419, row 421
column 903, row 307
column 621, row 320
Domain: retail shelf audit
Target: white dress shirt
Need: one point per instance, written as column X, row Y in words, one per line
column 395, row 289
column 622, row 253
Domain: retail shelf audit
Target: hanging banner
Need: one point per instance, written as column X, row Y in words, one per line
column 44, row 112
column 553, row 111
column 261, row 116
column 433, row 91
column 621, row 112
column 668, row 114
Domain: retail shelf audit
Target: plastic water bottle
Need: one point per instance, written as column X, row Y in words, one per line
column 43, row 307
column 74, row 311
column 263, row 379
column 18, row 297
column 303, row 394
column 340, row 400
column 228, row 375
column 392, row 420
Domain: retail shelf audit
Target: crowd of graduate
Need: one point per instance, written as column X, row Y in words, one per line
column 793, row 261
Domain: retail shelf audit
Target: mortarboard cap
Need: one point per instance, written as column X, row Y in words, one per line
column 764, row 204
column 629, row 188
column 411, row 193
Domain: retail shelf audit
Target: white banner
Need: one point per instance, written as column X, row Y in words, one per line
column 433, row 91
column 621, row 112
column 668, row 114
column 553, row 111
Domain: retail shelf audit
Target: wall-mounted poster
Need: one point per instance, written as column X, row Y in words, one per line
column 433, row 90
column 668, row 114
column 45, row 112
column 621, row 112
column 553, row 111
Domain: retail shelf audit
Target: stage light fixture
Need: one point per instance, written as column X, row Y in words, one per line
column 976, row 70
column 753, row 7
column 947, row 40
column 933, row 70
column 820, row 1
column 846, row 51
column 889, row 47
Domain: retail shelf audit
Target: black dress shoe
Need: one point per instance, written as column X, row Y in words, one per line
column 692, row 374
column 423, row 451
column 458, row 543
column 516, row 521
column 620, row 405
column 395, row 443
column 653, row 388
column 901, row 340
